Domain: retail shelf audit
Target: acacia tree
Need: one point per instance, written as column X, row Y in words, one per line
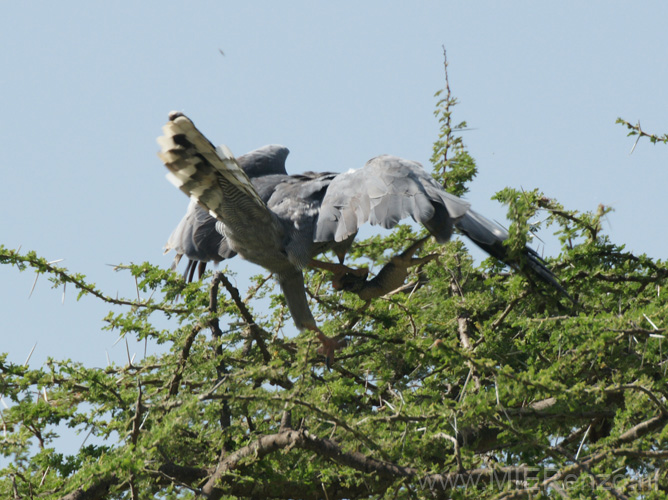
column 468, row 382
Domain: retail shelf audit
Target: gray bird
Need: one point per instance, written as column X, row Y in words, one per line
column 250, row 206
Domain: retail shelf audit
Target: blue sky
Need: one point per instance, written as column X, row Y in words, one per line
column 86, row 87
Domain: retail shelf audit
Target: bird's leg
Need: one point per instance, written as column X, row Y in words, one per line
column 201, row 269
column 390, row 277
column 340, row 271
column 329, row 345
column 189, row 273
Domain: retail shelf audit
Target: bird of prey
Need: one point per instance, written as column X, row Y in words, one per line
column 251, row 206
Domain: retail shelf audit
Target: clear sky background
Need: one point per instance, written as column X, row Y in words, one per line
column 86, row 86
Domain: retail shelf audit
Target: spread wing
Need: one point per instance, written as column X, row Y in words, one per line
column 383, row 192
column 388, row 189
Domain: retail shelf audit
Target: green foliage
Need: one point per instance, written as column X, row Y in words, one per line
column 466, row 383
column 453, row 165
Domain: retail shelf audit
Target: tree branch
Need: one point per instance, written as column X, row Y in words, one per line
column 637, row 130
column 183, row 359
column 387, row 472
column 42, row 266
column 97, row 491
column 256, row 332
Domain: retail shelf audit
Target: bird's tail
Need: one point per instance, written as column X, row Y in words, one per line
column 490, row 237
column 198, row 168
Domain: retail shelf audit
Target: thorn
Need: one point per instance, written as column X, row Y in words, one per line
column 127, row 350
column 41, row 483
column 137, row 287
column 466, row 382
column 650, row 322
column 637, row 139
column 401, row 396
column 108, row 360
column 64, row 288
column 221, row 52
column 410, row 295
column 86, row 438
column 55, row 261
column 582, row 442
column 118, row 267
column 33, row 285
column 144, row 420
column 30, row 355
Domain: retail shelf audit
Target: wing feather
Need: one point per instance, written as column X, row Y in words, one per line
column 385, row 191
